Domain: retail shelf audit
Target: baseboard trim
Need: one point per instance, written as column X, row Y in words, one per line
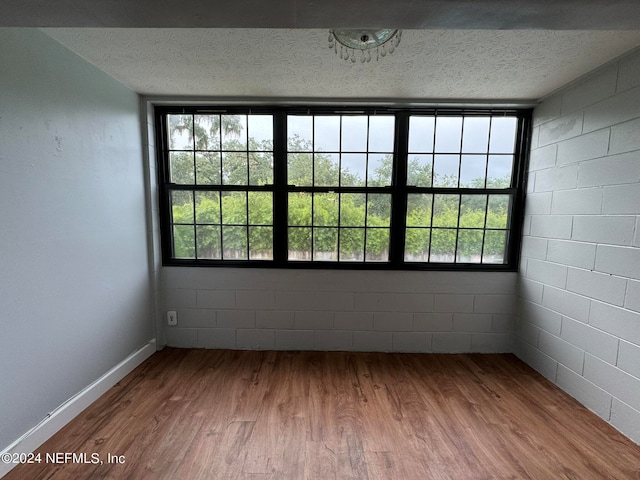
column 66, row 412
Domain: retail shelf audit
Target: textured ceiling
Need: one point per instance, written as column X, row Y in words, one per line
column 449, row 65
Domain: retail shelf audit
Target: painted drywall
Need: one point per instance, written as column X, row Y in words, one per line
column 448, row 312
column 579, row 316
column 74, row 271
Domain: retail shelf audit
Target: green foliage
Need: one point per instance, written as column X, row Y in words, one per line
column 202, row 131
column 239, row 224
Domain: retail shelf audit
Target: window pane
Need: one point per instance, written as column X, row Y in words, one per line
column 445, row 170
column 352, row 209
column 419, row 210
column 495, row 242
column 327, row 133
column 326, row 169
column 208, row 238
column 352, row 244
column 261, row 243
column 183, row 241
column 499, row 171
column 300, row 209
column 181, row 166
column 421, row 134
column 469, row 246
column 234, row 168
column 234, row 242
column 378, row 210
column 234, row 208
column 377, row 248
column 503, row 134
column 381, row 133
column 472, row 211
column 419, row 170
column 448, row 134
column 207, row 207
column 379, row 170
column 325, row 209
column 208, row 168
column 181, row 206
column 353, row 169
column 299, row 244
column 260, row 208
column 325, row 244
column 234, row 132
column 207, row 132
column 416, row 247
column 354, row 133
column 299, row 133
column 260, row 168
column 497, row 211
column 443, row 245
column 472, row 171
column 260, row 131
column 445, row 210
column 300, row 169
column 180, row 132
column 476, row 135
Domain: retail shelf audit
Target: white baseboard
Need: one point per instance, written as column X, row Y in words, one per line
column 66, row 412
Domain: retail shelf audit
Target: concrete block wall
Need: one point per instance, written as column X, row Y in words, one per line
column 242, row 308
column 579, row 311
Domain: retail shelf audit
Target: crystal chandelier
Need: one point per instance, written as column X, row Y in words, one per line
column 364, row 44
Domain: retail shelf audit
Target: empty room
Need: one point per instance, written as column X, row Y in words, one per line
column 298, row 240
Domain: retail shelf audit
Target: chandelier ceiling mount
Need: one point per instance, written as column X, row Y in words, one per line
column 364, row 44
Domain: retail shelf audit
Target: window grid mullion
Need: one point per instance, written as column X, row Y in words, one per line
column 280, row 195
column 313, row 184
column 486, row 164
column 366, row 197
column 484, row 228
column 433, row 148
column 486, row 181
column 246, row 196
column 339, row 195
column 366, row 220
column 195, row 181
column 398, row 191
column 397, row 234
column 455, row 250
column 221, row 156
column 221, row 227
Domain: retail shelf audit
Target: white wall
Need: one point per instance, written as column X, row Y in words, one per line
column 74, row 273
column 579, row 322
column 340, row 310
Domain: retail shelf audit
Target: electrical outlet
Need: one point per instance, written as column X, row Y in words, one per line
column 172, row 318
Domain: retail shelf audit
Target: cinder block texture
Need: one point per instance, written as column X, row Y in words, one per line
column 632, row 297
column 593, row 397
column 585, row 147
column 583, row 201
column 626, row 419
column 579, row 314
column 340, row 310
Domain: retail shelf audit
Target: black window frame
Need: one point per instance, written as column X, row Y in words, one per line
column 399, row 189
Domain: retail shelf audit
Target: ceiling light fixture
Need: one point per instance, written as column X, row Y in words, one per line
column 364, row 43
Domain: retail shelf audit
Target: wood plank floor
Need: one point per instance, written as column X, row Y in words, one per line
column 211, row 414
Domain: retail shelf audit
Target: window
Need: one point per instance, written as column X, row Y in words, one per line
column 373, row 188
column 338, row 189
column 220, row 168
